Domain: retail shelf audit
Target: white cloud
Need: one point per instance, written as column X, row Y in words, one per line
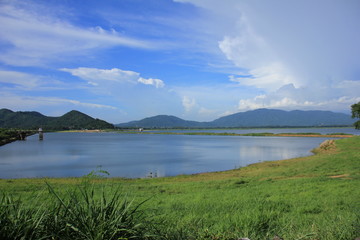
column 255, row 58
column 193, row 110
column 14, row 101
column 245, row 48
column 270, row 77
column 22, row 80
column 152, row 81
column 34, row 37
column 249, row 104
column 188, row 103
column 288, row 97
column 207, row 102
column 137, row 96
column 307, row 44
column 15, row 80
column 348, row 84
column 314, row 41
column 96, row 76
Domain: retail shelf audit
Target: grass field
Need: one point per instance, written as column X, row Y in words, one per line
column 315, row 197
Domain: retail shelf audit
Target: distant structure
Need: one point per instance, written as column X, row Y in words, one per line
column 152, row 174
column 22, row 136
column 41, row 134
column 141, row 129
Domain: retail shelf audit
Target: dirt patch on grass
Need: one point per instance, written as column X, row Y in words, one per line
column 279, row 178
column 345, row 176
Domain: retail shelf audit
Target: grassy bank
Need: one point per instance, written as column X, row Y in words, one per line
column 314, row 197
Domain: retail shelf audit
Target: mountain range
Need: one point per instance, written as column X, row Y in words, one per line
column 34, row 120
column 254, row 118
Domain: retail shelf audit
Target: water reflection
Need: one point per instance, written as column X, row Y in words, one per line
column 138, row 155
column 266, row 151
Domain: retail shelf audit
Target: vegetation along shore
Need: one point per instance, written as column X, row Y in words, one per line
column 315, row 197
column 264, row 134
column 11, row 135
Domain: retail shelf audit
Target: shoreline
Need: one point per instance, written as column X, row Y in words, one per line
column 265, row 134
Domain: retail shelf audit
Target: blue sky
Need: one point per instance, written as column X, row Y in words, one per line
column 122, row 60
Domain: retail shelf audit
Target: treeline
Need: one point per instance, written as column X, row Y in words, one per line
column 10, row 135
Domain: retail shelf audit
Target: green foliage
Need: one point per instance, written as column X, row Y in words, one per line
column 96, row 174
column 258, row 134
column 349, row 134
column 17, row 221
column 355, row 110
column 9, row 135
column 81, row 213
column 355, row 113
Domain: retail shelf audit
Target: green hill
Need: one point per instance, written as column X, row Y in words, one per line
column 34, row 120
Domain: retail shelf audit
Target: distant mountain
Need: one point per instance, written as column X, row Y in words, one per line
column 34, row 120
column 280, row 118
column 162, row 121
column 255, row 118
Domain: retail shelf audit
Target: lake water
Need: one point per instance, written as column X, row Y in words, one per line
column 136, row 155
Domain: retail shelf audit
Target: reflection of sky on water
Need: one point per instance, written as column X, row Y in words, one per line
column 136, row 155
column 270, row 150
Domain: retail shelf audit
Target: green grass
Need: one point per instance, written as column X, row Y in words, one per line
column 80, row 213
column 315, row 197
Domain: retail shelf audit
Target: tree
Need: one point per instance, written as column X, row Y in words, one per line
column 355, row 113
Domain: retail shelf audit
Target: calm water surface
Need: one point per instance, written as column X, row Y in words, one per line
column 136, row 155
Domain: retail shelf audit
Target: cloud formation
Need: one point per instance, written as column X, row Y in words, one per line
column 289, row 97
column 152, row 81
column 270, row 77
column 19, row 79
column 35, row 37
column 96, row 76
column 31, row 102
column 188, row 103
column 310, row 46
